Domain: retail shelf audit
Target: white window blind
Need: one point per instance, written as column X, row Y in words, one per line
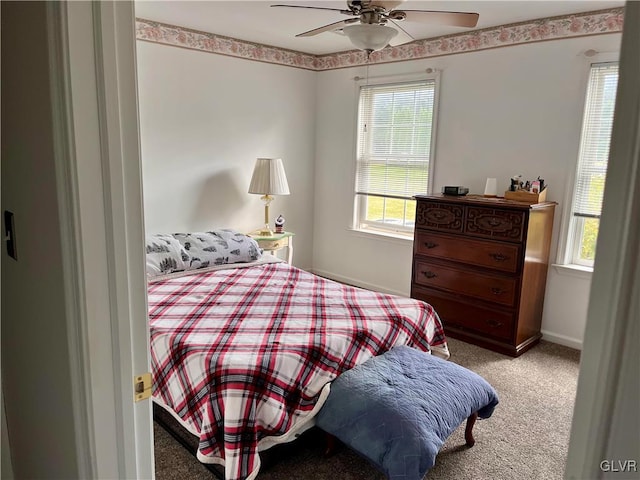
column 394, row 139
column 596, row 137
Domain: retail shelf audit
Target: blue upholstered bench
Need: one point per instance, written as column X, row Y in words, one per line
column 398, row 409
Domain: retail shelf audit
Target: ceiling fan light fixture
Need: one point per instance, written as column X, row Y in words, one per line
column 369, row 38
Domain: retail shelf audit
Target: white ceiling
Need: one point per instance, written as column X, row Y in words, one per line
column 256, row 21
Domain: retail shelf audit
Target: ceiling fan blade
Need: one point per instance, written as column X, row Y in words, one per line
column 456, row 19
column 326, row 28
column 402, row 37
column 346, row 12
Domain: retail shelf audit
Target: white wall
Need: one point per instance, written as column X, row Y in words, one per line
column 36, row 378
column 512, row 110
column 204, row 119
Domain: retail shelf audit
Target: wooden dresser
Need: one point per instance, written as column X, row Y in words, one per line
column 482, row 264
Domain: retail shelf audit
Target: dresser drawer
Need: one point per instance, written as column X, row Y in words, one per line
column 493, row 323
column 492, row 288
column 495, row 223
column 270, row 245
column 500, row 256
column 440, row 216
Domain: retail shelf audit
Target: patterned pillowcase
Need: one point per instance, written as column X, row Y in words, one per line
column 218, row 247
column 165, row 255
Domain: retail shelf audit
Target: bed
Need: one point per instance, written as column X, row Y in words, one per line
column 243, row 353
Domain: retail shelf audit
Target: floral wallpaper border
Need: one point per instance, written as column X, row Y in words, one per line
column 566, row 26
column 166, row 34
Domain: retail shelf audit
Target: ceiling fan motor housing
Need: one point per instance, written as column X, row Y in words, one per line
column 374, row 14
column 372, row 18
column 357, row 5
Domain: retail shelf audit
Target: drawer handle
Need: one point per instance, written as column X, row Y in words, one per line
column 429, row 274
column 497, row 291
column 494, row 222
column 494, row 323
column 439, row 215
column 498, row 257
column 430, row 244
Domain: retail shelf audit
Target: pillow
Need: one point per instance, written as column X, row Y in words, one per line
column 218, row 247
column 165, row 255
column 398, row 409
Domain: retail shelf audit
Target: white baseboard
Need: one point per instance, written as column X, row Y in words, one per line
column 357, row 283
column 562, row 340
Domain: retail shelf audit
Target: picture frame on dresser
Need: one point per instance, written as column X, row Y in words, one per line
column 482, row 264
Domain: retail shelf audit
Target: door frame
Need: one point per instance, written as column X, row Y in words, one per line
column 99, row 184
column 92, row 49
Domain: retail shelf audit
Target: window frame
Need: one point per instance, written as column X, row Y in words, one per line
column 572, row 227
column 360, row 223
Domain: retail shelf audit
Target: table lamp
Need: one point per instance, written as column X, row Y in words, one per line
column 268, row 179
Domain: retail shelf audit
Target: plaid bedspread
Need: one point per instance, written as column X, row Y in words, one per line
column 242, row 354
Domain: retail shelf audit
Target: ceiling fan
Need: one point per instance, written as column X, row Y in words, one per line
column 368, row 30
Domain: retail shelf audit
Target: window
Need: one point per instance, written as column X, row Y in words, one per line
column 394, row 153
column 592, row 163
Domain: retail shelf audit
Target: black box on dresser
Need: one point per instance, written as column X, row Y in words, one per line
column 482, row 264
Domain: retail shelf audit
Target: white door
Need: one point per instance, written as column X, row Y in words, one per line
column 92, row 48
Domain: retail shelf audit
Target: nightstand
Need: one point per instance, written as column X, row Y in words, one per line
column 276, row 242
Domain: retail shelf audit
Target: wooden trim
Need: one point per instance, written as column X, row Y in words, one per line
column 70, row 219
column 114, row 24
column 103, row 217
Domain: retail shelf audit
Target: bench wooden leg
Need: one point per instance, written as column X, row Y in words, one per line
column 468, row 431
column 331, row 444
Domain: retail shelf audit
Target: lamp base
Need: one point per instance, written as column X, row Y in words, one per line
column 265, row 231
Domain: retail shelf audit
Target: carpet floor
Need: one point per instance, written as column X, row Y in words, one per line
column 526, row 438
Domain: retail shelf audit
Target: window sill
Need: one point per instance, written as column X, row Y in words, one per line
column 382, row 235
column 577, row 271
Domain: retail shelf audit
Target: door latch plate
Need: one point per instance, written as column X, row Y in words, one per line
column 142, row 386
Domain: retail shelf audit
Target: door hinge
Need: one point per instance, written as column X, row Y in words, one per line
column 142, row 386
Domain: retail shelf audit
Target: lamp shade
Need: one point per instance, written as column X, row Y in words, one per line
column 269, row 177
column 369, row 37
